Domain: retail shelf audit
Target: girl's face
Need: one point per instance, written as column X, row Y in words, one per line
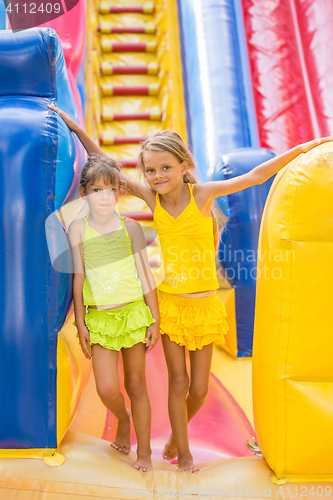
column 163, row 170
column 102, row 198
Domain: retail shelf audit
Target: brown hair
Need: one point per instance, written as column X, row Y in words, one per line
column 100, row 166
column 167, row 140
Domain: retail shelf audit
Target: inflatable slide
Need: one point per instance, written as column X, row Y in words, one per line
column 291, row 65
column 149, row 66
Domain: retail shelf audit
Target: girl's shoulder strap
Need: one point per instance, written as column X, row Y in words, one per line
column 120, row 217
column 128, row 240
column 157, row 198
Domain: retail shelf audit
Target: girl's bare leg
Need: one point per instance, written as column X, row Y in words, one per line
column 105, row 366
column 134, row 360
column 178, row 387
column 200, row 369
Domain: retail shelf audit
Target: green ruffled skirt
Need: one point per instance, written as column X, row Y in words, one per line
column 121, row 327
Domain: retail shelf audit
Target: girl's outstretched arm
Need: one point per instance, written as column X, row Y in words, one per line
column 259, row 174
column 136, row 188
column 146, row 277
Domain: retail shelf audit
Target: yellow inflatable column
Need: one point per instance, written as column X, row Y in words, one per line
column 293, row 335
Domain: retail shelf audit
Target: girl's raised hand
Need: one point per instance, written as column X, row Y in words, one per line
column 71, row 124
column 152, row 335
column 84, row 339
column 315, row 142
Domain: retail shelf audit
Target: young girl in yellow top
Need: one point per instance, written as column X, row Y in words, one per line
column 111, row 272
column 191, row 313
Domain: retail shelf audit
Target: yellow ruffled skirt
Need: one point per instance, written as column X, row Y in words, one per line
column 192, row 323
column 118, row 328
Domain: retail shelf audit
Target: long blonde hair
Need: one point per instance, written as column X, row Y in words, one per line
column 171, row 142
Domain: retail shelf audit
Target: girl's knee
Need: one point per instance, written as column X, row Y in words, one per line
column 107, row 392
column 136, row 387
column 198, row 392
column 179, row 383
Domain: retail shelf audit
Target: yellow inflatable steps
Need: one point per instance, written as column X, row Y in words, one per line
column 293, row 338
column 135, row 83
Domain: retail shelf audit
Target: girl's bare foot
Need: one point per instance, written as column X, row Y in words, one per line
column 186, row 464
column 170, row 449
column 143, row 463
column 122, row 440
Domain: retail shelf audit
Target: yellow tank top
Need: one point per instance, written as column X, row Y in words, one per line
column 188, row 250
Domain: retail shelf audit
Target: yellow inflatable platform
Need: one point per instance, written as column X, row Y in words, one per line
column 293, row 337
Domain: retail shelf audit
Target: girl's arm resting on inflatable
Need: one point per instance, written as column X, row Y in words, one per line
column 89, row 145
column 79, row 276
column 259, row 174
column 136, row 188
column 146, row 277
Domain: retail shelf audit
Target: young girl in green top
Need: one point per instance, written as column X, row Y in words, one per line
column 111, row 273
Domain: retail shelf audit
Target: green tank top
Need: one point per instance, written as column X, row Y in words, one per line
column 111, row 276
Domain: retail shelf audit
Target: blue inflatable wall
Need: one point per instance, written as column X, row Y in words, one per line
column 81, row 85
column 37, row 154
column 2, row 16
column 239, row 243
column 219, row 90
